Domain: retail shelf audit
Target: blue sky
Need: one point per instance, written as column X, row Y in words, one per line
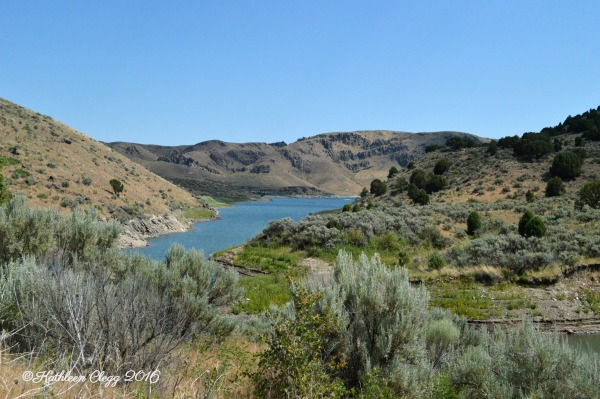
column 181, row 72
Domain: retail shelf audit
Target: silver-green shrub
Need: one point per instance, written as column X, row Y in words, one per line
column 381, row 323
column 524, row 364
column 116, row 319
column 26, row 231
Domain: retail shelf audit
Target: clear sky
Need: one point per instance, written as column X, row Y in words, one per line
column 181, row 72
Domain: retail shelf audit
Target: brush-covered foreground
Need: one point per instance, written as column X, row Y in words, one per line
column 71, row 301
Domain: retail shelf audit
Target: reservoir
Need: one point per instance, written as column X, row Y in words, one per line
column 238, row 224
column 587, row 342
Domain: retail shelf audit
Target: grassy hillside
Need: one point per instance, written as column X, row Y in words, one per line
column 331, row 163
column 55, row 166
column 493, row 273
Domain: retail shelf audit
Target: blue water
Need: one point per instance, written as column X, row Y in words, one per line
column 238, row 224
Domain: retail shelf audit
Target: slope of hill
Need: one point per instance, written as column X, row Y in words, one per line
column 55, row 166
column 496, row 271
column 330, row 163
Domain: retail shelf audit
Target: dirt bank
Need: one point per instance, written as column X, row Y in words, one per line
column 137, row 231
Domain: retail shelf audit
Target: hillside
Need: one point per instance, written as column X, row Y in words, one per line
column 495, row 273
column 55, row 166
column 330, row 163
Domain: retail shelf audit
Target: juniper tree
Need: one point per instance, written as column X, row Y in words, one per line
column 473, row 223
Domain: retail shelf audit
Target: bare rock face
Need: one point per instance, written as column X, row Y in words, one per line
column 137, row 231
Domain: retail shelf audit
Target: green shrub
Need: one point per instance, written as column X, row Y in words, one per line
column 334, row 224
column 4, row 193
column 346, row 208
column 364, row 192
column 399, row 185
column 4, row 161
column 378, row 187
column 20, row 173
column 433, row 147
column 590, row 194
column 417, row 195
column 436, row 261
column 566, row 165
column 434, row 184
column 441, row 167
column 492, row 148
column 392, row 172
column 356, row 208
column 527, row 216
column 87, row 181
column 555, row 187
column 117, row 186
column 529, row 196
column 535, row 227
column 65, row 184
column 418, row 178
column 296, row 363
column 473, row 223
column 403, row 258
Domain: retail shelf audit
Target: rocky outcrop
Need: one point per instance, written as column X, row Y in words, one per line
column 178, row 158
column 137, row 231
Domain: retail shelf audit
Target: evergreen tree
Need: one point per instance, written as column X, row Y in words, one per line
column 378, row 187
column 473, row 223
column 531, row 225
column 555, row 187
column 393, row 172
column 117, row 186
column 527, row 216
column 441, row 167
column 590, row 194
column 492, row 148
column 418, row 178
column 418, row 196
column 566, row 165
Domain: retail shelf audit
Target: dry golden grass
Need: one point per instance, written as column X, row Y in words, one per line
column 58, row 159
column 202, row 370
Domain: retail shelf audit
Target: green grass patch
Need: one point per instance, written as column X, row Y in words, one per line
column 388, row 247
column 269, row 258
column 213, row 202
column 19, row 173
column 198, row 213
column 475, row 301
column 592, row 297
column 4, row 161
column 262, row 292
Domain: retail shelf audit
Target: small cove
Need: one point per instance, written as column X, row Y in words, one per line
column 238, row 223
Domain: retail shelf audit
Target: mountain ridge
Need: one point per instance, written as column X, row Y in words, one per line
column 335, row 163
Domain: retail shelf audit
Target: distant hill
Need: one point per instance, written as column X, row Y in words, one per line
column 331, row 163
column 55, row 166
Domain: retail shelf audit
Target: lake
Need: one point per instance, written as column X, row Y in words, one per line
column 588, row 342
column 238, row 224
